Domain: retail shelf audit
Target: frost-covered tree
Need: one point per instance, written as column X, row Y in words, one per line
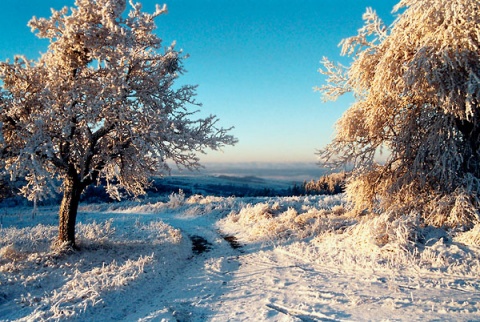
column 101, row 105
column 416, row 85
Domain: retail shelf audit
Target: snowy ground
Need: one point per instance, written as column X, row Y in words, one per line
column 301, row 259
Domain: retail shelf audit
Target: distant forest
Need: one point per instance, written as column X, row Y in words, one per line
column 329, row 184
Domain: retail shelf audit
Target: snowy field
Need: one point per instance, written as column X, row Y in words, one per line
column 235, row 259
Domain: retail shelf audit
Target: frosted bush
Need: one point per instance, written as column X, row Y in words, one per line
column 373, row 243
column 96, row 232
column 28, row 240
column 274, row 221
column 214, row 199
column 194, row 199
column 85, row 288
column 158, row 232
column 454, row 210
column 176, row 200
column 470, row 237
column 9, row 253
column 338, row 210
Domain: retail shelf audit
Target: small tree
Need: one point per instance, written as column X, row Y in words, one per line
column 417, row 90
column 100, row 104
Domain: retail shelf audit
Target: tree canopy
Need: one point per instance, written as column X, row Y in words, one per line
column 416, row 85
column 101, row 105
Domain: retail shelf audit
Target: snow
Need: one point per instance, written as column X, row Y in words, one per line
column 301, row 259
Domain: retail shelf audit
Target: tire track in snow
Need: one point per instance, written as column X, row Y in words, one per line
column 193, row 294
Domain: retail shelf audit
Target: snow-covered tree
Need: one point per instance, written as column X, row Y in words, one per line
column 416, row 85
column 101, row 105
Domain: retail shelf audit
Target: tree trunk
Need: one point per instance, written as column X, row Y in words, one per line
column 68, row 210
column 471, row 137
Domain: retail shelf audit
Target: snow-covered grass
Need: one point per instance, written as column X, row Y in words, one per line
column 332, row 236
column 42, row 282
column 303, row 258
column 282, row 219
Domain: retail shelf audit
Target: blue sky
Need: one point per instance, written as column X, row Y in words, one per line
column 255, row 62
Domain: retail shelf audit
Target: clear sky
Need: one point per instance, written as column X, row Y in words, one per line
column 255, row 62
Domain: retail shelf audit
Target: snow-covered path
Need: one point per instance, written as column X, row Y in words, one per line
column 261, row 282
column 270, row 285
column 251, row 283
column 193, row 294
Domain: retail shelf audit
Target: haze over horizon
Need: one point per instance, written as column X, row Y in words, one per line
column 255, row 63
